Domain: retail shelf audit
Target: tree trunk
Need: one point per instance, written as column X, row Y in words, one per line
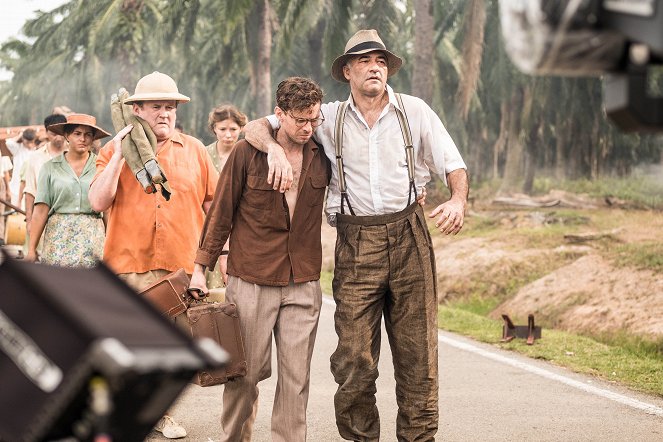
column 316, row 52
column 502, row 139
column 561, row 129
column 129, row 54
column 422, row 86
column 595, row 146
column 576, row 143
column 531, row 154
column 259, row 38
column 264, row 78
column 514, row 152
column 472, row 53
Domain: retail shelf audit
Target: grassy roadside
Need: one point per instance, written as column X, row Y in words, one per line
column 633, row 363
column 628, row 360
column 623, row 360
column 518, row 246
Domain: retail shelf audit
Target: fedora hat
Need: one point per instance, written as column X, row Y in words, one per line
column 156, row 87
column 366, row 40
column 80, row 120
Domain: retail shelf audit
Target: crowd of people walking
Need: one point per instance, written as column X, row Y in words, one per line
column 247, row 214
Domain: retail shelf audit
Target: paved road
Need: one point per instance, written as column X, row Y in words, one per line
column 485, row 395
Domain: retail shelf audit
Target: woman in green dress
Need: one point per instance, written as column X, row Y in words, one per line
column 226, row 123
column 73, row 232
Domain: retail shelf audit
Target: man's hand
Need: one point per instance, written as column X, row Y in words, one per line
column 117, row 139
column 280, row 170
column 421, row 198
column 31, row 256
column 198, row 281
column 259, row 134
column 223, row 268
column 451, row 216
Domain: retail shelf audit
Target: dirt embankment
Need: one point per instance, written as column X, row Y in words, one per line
column 589, row 294
column 569, row 278
column 522, row 263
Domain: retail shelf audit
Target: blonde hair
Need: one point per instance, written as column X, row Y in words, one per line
column 226, row 112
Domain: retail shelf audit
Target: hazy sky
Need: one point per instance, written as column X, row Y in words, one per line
column 16, row 12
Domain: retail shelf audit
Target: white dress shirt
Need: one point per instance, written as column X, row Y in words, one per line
column 19, row 154
column 374, row 158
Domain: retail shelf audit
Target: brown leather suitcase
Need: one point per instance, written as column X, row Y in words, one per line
column 220, row 322
column 169, row 294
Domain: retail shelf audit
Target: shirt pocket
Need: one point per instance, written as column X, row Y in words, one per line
column 258, row 193
column 317, row 184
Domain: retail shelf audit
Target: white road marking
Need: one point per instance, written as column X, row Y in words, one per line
column 607, row 394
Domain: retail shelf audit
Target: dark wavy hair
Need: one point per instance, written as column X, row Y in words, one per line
column 295, row 93
column 54, row 119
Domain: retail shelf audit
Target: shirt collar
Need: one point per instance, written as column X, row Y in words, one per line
column 58, row 158
column 311, row 145
column 392, row 101
column 177, row 138
column 392, row 97
column 390, row 93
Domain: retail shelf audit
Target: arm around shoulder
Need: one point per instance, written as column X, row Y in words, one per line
column 258, row 133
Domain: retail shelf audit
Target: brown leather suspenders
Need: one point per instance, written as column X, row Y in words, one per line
column 409, row 151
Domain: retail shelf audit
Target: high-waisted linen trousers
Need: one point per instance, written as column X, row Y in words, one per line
column 385, row 266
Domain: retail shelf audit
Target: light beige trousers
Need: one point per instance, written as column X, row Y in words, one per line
column 291, row 314
column 138, row 281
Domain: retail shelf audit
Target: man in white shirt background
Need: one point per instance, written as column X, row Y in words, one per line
column 54, row 146
column 5, row 168
column 20, row 147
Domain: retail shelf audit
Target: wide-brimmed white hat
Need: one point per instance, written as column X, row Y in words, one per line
column 366, row 40
column 156, row 87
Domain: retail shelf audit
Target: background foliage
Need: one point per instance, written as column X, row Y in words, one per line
column 508, row 126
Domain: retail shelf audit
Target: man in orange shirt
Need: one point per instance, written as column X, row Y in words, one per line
column 147, row 236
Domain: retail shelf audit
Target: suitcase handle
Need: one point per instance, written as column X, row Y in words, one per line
column 191, row 290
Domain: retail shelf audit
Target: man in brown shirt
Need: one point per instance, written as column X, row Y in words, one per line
column 274, row 262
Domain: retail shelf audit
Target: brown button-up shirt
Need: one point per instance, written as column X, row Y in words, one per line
column 266, row 246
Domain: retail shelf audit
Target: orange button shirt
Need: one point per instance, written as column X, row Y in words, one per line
column 145, row 232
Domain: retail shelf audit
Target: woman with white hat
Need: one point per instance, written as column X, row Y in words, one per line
column 73, row 232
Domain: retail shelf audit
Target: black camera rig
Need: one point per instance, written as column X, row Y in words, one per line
column 621, row 40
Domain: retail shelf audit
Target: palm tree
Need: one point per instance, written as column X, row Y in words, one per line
column 475, row 21
column 81, row 47
column 422, row 71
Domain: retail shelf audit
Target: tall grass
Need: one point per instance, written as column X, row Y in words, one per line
column 644, row 191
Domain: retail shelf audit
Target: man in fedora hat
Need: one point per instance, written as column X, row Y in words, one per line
column 147, row 236
column 382, row 146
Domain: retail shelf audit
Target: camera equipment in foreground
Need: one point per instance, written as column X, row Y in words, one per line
column 621, row 39
column 83, row 356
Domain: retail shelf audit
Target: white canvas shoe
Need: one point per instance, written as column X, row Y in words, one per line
column 169, row 428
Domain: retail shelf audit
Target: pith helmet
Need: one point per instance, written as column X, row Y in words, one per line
column 156, row 87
